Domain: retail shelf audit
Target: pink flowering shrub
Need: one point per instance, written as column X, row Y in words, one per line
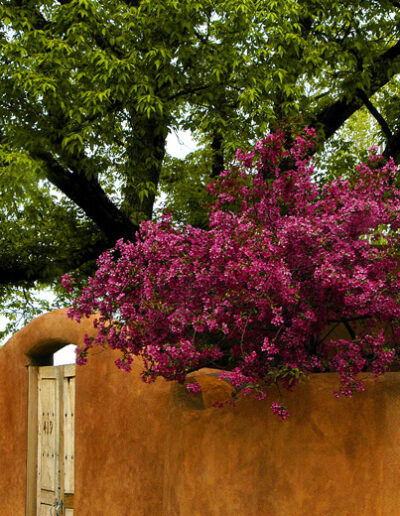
column 284, row 261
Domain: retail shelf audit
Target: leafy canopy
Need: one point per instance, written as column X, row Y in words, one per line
column 90, row 90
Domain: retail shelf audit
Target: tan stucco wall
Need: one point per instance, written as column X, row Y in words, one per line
column 150, row 450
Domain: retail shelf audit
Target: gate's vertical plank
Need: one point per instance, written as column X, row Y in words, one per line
column 32, row 459
column 60, row 436
column 69, row 433
column 47, row 433
column 46, row 510
column 47, row 439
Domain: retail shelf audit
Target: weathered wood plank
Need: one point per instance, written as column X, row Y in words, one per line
column 45, row 510
column 47, row 433
column 49, row 372
column 52, row 462
column 47, row 497
column 60, row 434
column 69, row 370
column 69, row 433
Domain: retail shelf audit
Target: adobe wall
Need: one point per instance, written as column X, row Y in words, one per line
column 39, row 337
column 121, row 429
column 330, row 458
column 120, row 425
column 150, row 450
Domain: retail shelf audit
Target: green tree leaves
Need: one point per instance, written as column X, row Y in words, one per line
column 90, row 90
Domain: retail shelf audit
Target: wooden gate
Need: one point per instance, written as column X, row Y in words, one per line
column 50, row 488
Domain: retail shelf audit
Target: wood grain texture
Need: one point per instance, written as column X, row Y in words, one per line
column 53, row 435
column 47, row 435
column 69, row 433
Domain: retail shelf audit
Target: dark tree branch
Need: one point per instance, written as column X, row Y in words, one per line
column 331, row 118
column 345, row 320
column 217, row 155
column 393, row 147
column 90, row 197
column 331, row 330
column 321, row 95
column 187, row 91
column 378, row 117
column 132, row 3
column 350, row 330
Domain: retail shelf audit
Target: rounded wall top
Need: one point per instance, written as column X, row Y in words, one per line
column 46, row 334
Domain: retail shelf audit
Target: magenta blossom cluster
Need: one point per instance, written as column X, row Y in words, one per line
column 284, row 266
